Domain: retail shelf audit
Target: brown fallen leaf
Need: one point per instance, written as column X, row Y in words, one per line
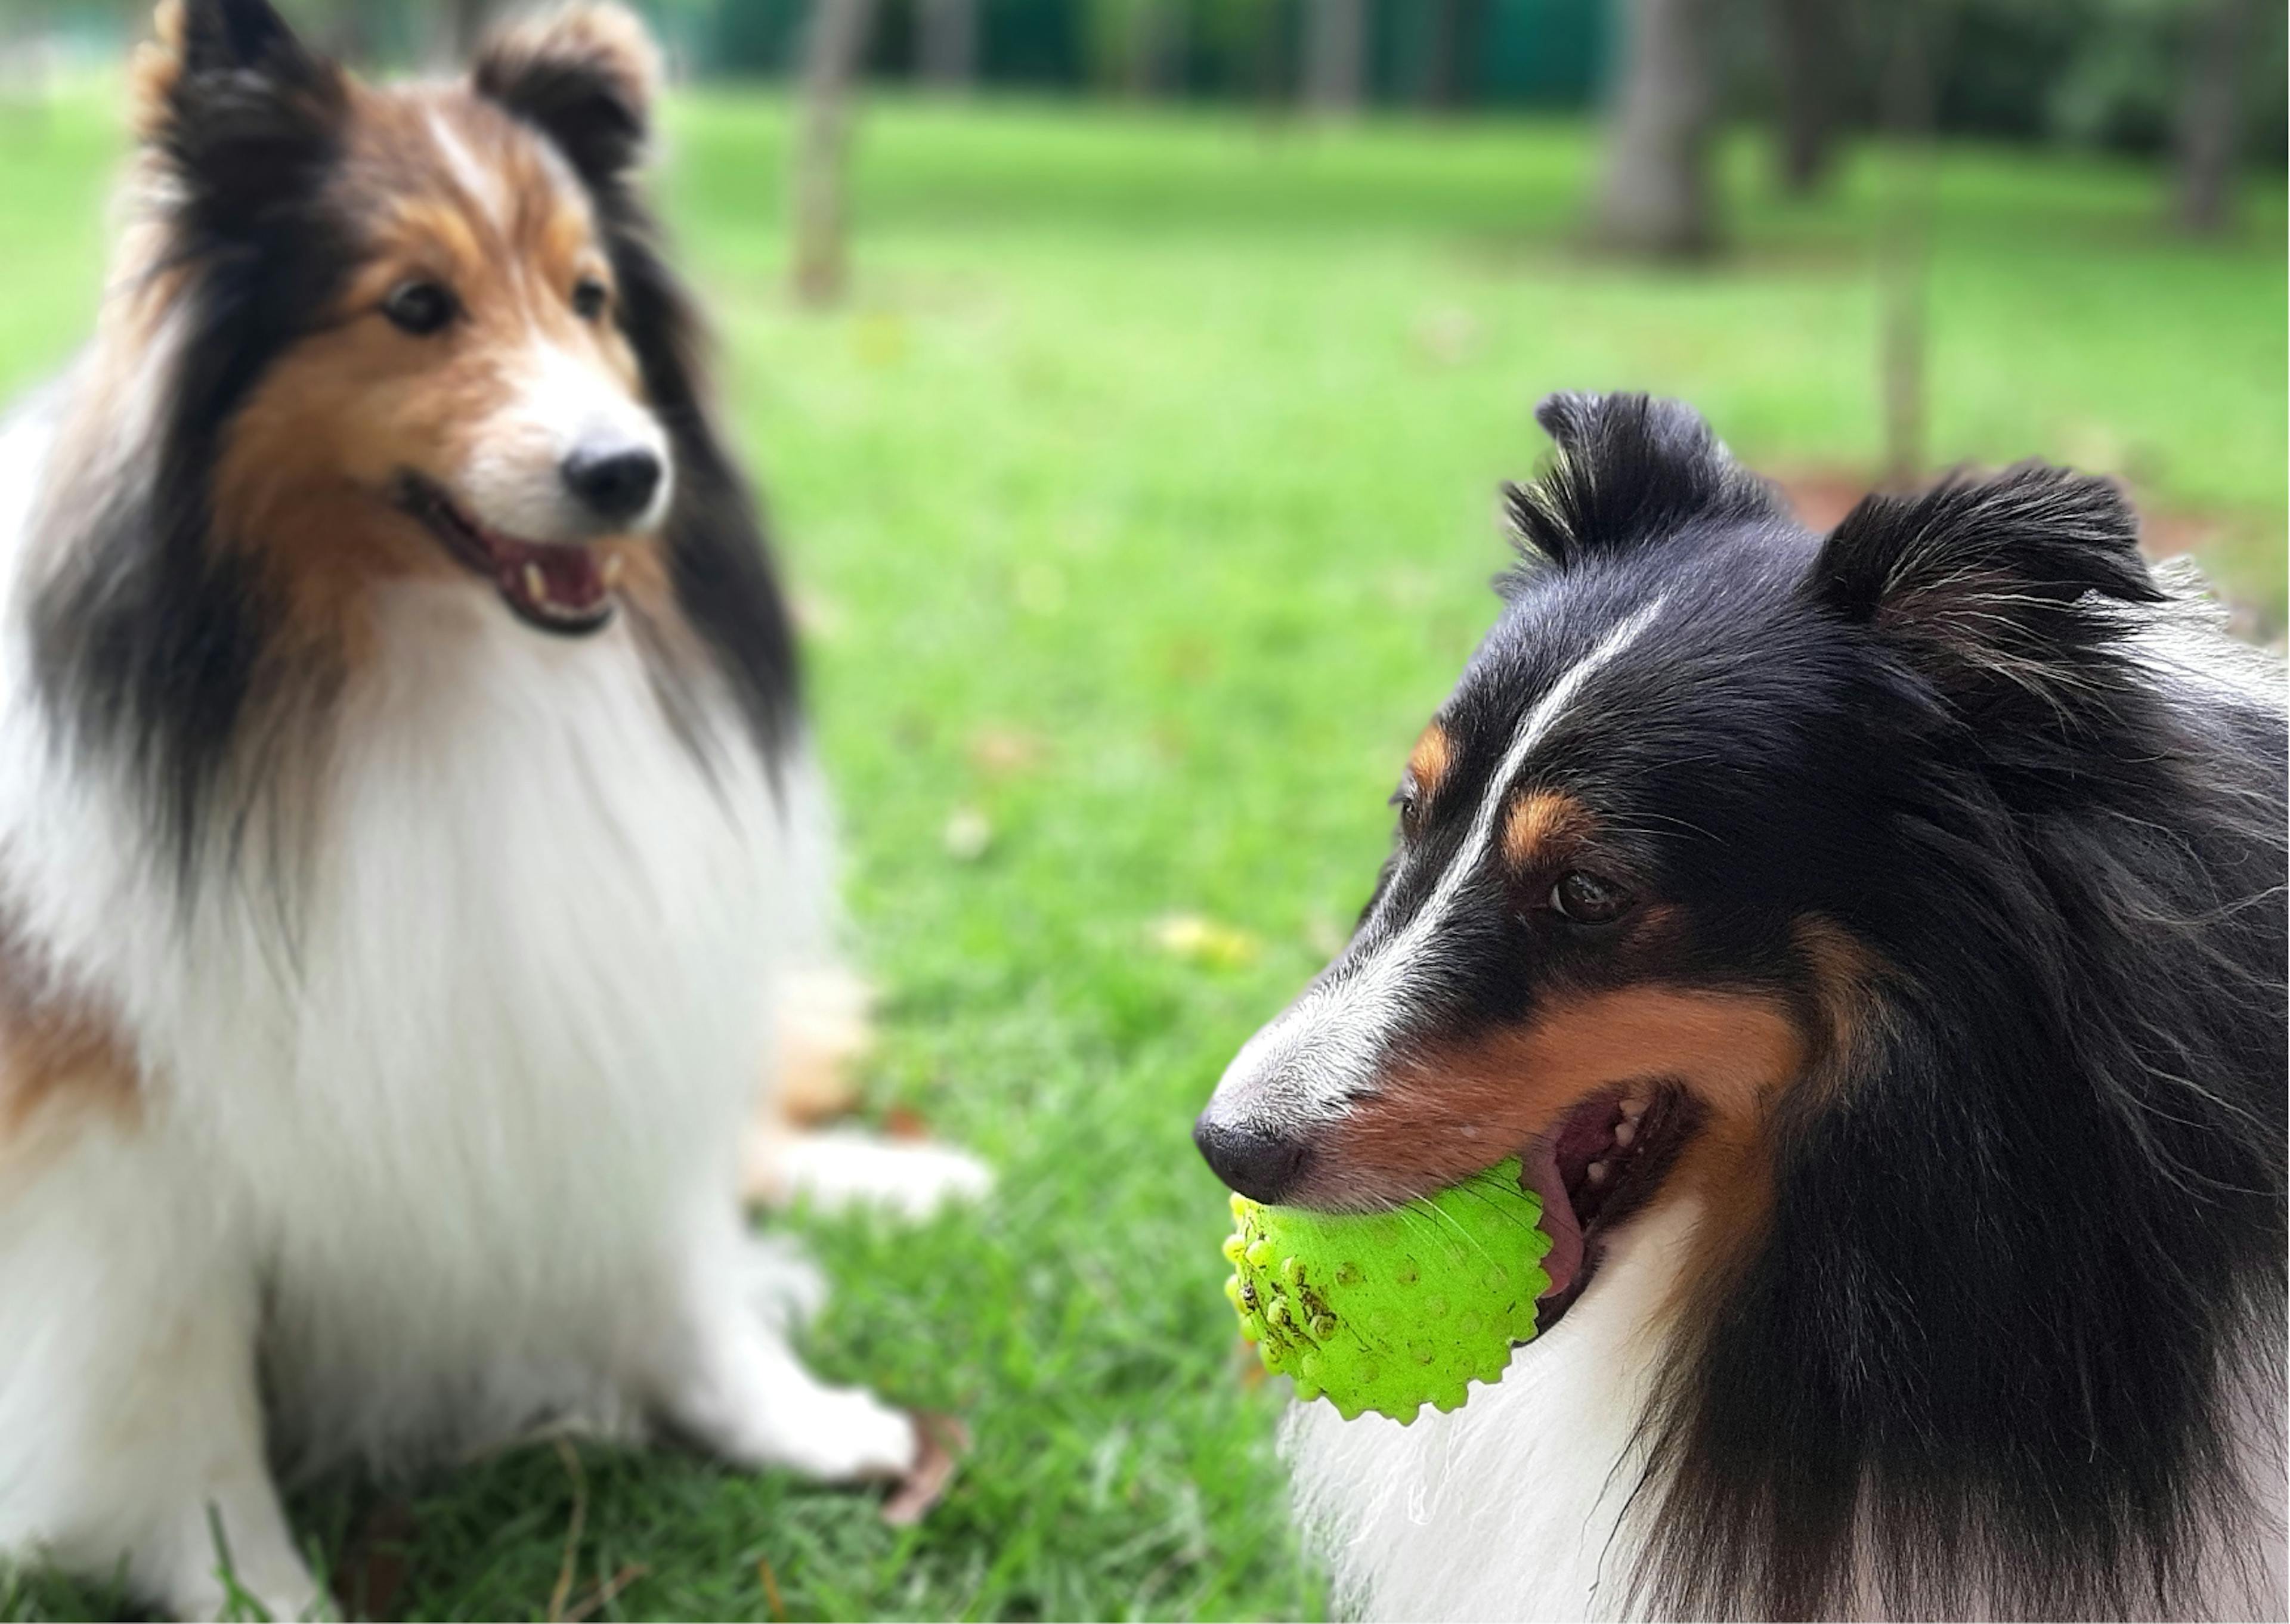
column 1001, row 751
column 825, row 1032
column 945, row 1440
column 371, row 1571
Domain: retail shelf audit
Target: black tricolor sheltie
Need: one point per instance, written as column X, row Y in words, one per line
column 1875, row 943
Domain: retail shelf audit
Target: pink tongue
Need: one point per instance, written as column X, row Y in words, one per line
column 570, row 575
column 1539, row 1171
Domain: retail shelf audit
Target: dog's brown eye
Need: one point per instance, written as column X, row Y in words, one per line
column 1410, row 803
column 1586, row 898
column 589, row 299
column 420, row 307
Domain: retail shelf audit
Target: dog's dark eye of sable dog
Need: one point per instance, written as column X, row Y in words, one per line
column 1873, row 944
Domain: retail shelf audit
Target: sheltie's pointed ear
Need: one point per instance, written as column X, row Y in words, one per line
column 1630, row 468
column 202, row 42
column 585, row 78
column 216, row 35
column 237, row 105
column 2003, row 588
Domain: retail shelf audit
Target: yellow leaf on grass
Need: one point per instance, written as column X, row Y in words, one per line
column 1203, row 941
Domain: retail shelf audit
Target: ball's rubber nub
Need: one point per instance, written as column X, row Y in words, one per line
column 1390, row 1311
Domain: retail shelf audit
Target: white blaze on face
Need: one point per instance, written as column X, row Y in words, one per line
column 483, row 186
column 559, row 402
column 1324, row 1048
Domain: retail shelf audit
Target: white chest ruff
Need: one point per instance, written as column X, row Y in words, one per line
column 1513, row 1506
column 475, row 1071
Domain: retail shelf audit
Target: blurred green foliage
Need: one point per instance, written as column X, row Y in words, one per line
column 2101, row 73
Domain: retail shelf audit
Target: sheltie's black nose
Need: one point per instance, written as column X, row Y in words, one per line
column 615, row 483
column 1262, row 1166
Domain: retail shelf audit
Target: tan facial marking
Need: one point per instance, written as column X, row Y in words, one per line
column 1450, row 1110
column 431, row 235
column 1539, row 824
column 464, row 194
column 567, row 238
column 1428, row 762
column 1847, row 977
column 1728, row 1168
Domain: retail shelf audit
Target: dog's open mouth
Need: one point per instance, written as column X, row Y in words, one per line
column 559, row 586
column 1600, row 1164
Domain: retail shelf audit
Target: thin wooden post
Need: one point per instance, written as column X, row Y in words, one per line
column 821, row 189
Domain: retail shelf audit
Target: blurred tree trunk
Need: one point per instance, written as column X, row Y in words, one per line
column 1654, row 196
column 832, row 51
column 1335, row 56
column 2209, row 108
column 949, row 44
column 1454, row 28
column 1904, row 243
column 1153, row 49
column 24, row 65
column 462, row 24
column 1268, row 62
column 1172, row 45
column 1809, row 67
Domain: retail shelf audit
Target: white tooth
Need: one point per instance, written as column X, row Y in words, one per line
column 1625, row 1131
column 1596, row 1172
column 536, row 583
column 1632, row 1109
column 612, row 565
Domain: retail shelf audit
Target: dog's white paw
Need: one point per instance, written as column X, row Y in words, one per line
column 841, row 1170
column 828, row 1435
column 733, row 1384
column 850, row 1437
column 285, row 1601
column 266, row 1575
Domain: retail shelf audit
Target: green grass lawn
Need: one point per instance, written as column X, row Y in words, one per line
column 1140, row 505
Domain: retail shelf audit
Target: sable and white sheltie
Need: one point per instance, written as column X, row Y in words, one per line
column 404, row 802
column 1874, row 944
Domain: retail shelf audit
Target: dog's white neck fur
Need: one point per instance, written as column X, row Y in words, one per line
column 1525, row 1503
column 1512, row 1507
column 450, row 1130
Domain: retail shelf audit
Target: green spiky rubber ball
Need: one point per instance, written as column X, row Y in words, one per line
column 1390, row 1311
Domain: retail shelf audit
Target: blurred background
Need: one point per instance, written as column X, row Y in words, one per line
column 1131, row 380
column 1990, row 181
